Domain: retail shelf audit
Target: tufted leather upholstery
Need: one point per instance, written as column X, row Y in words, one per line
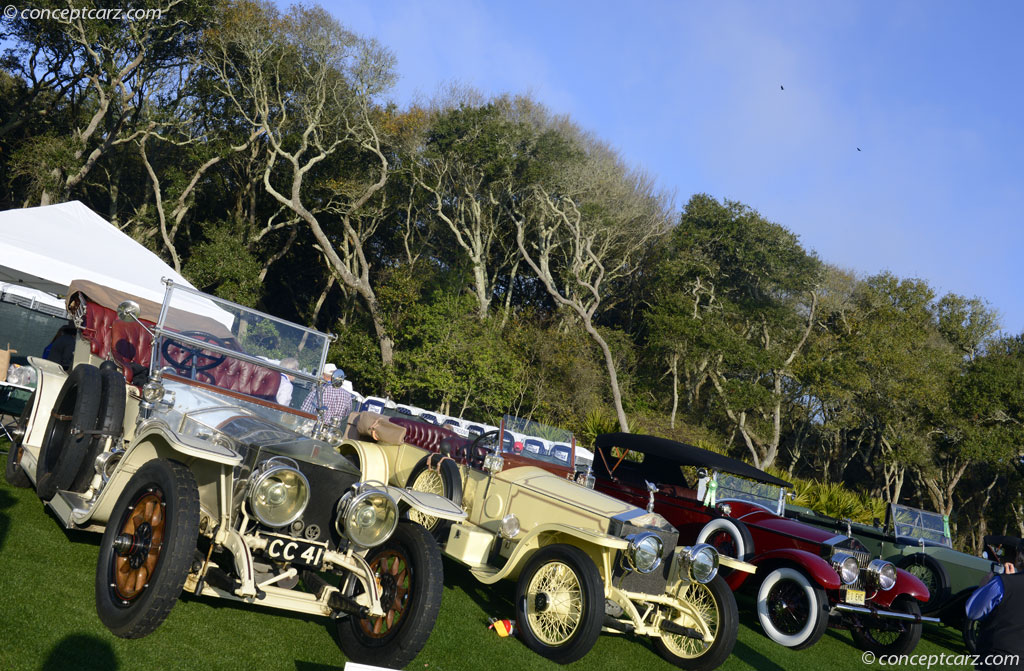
column 427, row 436
column 128, row 343
column 440, row 439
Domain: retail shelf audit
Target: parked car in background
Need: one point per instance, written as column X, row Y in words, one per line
column 920, row 542
column 807, row 578
column 167, row 438
column 582, row 561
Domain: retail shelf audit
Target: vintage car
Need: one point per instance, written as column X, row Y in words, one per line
column 807, row 578
column 920, row 542
column 167, row 437
column 583, row 562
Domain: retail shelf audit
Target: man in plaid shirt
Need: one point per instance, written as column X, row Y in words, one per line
column 337, row 399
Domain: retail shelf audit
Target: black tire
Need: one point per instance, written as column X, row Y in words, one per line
column 64, row 447
column 970, row 635
column 113, row 397
column 409, row 568
column 792, row 608
column 575, row 587
column 717, row 605
column 890, row 636
column 439, row 475
column 16, row 475
column 160, row 502
column 934, row 576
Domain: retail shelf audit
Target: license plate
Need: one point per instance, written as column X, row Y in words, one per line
column 855, row 597
column 294, row 551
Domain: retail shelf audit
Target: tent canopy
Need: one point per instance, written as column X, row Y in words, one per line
column 47, row 247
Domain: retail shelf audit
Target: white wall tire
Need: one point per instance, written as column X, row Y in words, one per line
column 791, row 608
column 738, row 539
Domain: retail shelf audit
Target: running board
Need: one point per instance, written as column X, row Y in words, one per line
column 884, row 613
column 67, row 506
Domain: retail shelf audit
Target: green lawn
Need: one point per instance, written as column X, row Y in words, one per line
column 49, row 622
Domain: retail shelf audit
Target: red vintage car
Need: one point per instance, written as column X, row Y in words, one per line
column 807, row 578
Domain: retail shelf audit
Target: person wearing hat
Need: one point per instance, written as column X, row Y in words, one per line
column 336, row 400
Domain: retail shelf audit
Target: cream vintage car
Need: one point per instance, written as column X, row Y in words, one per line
column 171, row 438
column 583, row 562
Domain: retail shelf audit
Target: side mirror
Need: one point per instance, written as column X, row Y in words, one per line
column 128, row 311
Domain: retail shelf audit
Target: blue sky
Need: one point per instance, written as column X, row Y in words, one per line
column 931, row 92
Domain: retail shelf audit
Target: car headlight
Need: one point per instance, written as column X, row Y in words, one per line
column 644, row 552
column 152, row 391
column 882, row 574
column 847, row 567
column 367, row 516
column 701, row 562
column 279, row 492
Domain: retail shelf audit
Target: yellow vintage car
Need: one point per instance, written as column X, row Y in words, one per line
column 169, row 437
column 583, row 562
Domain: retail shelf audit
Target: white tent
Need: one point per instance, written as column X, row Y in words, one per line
column 47, row 247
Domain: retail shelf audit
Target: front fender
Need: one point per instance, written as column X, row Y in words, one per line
column 817, row 568
column 434, row 505
column 546, row 534
column 906, row 583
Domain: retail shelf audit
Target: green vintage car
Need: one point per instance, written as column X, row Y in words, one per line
column 920, row 542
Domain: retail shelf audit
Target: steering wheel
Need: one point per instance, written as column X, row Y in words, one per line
column 482, row 445
column 189, row 363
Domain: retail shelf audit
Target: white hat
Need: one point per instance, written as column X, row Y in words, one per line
column 329, row 368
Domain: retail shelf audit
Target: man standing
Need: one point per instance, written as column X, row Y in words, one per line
column 336, row 400
column 998, row 605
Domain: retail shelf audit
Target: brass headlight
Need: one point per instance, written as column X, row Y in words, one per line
column 279, row 492
column 367, row 516
column 881, row 574
column 701, row 562
column 847, row 567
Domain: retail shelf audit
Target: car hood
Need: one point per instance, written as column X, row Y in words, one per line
column 565, row 492
column 787, row 527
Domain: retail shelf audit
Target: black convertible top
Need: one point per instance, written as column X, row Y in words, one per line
column 686, row 455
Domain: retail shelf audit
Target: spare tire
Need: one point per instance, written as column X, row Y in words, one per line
column 111, row 419
column 65, row 442
column 437, row 474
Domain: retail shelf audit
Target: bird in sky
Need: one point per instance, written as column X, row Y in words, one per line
column 858, row 148
column 782, row 87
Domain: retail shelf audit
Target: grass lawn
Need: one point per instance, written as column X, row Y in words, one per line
column 49, row 622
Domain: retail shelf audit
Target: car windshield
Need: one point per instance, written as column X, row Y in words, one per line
column 734, row 487
column 200, row 334
column 919, row 525
column 538, row 441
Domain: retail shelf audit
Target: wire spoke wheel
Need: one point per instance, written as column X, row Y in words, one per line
column 429, row 481
column 788, row 607
column 703, row 603
column 554, row 603
column 394, row 575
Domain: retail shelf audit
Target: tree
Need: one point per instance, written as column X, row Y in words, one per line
column 308, row 87
column 582, row 232
column 104, row 73
column 750, row 292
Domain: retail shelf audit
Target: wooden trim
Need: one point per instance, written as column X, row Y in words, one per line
column 239, row 395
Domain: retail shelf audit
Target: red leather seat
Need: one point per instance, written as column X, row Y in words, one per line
column 129, row 343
